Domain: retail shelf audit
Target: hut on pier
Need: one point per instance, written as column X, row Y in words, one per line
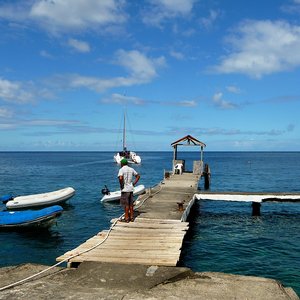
column 179, row 165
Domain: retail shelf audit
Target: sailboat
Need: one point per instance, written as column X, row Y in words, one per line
column 131, row 156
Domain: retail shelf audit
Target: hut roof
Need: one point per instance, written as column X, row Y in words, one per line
column 188, row 140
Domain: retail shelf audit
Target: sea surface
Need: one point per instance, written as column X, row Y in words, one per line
column 223, row 236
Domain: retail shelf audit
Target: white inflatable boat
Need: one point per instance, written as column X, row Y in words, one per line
column 113, row 196
column 45, row 199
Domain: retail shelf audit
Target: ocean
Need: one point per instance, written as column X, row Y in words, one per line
column 223, row 236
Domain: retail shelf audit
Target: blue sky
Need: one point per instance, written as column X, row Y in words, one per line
column 225, row 72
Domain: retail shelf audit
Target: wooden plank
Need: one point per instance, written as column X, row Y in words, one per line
column 143, row 233
column 152, row 236
column 153, row 220
column 122, row 247
column 144, row 230
column 143, row 261
column 131, row 253
column 103, row 256
column 125, row 244
column 169, row 241
column 149, row 225
column 159, row 221
column 153, row 242
column 134, row 254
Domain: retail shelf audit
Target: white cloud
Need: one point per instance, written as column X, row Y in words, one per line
column 46, row 54
column 15, row 12
column 47, row 122
column 140, row 66
column 162, row 10
column 79, row 46
column 14, row 92
column 221, row 103
column 141, row 69
column 78, row 14
column 65, row 15
column 233, row 89
column 228, row 132
column 5, row 112
column 209, row 21
column 175, row 6
column 260, row 48
column 292, row 7
column 177, row 55
column 122, row 99
column 188, row 103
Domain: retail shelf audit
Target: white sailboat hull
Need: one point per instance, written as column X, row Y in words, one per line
column 131, row 157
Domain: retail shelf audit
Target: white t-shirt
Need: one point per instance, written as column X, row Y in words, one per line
column 127, row 173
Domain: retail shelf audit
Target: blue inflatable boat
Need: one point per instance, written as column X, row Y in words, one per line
column 29, row 218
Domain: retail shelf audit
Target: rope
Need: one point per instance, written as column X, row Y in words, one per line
column 65, row 260
column 77, row 254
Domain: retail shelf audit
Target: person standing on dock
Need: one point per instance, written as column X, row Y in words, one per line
column 125, row 176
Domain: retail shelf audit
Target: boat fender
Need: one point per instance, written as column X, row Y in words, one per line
column 105, row 191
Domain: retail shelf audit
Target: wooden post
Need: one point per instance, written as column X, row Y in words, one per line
column 201, row 153
column 206, row 174
column 256, row 209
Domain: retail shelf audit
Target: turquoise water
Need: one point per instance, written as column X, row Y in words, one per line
column 224, row 237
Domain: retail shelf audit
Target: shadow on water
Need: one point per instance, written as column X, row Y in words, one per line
column 30, row 245
column 67, row 206
column 35, row 234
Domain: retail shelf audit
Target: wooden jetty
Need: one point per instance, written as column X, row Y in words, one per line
column 156, row 235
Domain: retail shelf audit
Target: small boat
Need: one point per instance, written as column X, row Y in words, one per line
column 113, row 196
column 41, row 218
column 131, row 156
column 45, row 199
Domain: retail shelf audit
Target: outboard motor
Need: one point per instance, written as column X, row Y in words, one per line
column 105, row 191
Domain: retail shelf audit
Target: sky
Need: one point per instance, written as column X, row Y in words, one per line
column 225, row 72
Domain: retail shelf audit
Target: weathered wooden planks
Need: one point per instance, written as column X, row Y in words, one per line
column 156, row 235
column 142, row 242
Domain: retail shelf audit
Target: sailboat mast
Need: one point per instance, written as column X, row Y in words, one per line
column 124, row 135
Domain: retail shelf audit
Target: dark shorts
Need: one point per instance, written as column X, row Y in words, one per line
column 126, row 198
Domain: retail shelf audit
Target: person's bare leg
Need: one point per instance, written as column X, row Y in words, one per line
column 131, row 213
column 127, row 213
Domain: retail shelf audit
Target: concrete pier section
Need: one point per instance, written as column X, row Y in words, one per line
column 92, row 281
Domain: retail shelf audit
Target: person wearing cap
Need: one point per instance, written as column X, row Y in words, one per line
column 126, row 175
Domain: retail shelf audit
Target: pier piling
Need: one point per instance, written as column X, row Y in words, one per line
column 256, row 209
